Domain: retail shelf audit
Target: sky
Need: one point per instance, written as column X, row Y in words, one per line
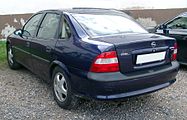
column 31, row 6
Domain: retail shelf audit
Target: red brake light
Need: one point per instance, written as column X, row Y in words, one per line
column 105, row 62
column 174, row 56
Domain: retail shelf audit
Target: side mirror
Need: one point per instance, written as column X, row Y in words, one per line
column 22, row 33
column 165, row 29
column 18, row 32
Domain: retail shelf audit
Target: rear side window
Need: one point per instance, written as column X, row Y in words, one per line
column 31, row 26
column 49, row 26
column 65, row 30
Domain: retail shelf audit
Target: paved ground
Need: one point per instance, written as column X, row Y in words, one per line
column 25, row 96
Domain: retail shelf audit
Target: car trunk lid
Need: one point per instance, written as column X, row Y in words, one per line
column 140, row 51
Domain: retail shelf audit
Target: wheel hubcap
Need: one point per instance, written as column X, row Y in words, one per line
column 60, row 87
column 10, row 56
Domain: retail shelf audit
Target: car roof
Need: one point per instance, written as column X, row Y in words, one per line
column 89, row 11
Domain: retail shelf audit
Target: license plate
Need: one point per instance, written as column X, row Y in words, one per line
column 152, row 57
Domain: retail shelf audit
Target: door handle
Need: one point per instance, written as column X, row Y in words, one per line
column 27, row 44
column 48, row 49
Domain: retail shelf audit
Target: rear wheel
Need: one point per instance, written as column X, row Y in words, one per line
column 11, row 59
column 62, row 90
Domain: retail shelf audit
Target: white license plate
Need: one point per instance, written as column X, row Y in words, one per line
column 152, row 57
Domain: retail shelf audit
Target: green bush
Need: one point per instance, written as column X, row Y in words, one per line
column 2, row 52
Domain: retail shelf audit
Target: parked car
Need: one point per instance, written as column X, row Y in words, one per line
column 93, row 53
column 177, row 28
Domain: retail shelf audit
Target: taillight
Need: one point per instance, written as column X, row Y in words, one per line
column 174, row 55
column 105, row 62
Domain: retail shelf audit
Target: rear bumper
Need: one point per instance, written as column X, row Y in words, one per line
column 106, row 86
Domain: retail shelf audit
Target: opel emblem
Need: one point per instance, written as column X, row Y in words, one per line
column 153, row 44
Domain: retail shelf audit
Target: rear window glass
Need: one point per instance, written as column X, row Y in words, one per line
column 99, row 25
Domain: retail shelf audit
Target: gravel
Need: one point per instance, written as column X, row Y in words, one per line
column 25, row 96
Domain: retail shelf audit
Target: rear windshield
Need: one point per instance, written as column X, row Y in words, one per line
column 99, row 25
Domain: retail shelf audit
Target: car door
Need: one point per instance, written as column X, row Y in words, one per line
column 22, row 43
column 43, row 45
column 177, row 29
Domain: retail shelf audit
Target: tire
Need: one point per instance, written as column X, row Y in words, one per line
column 62, row 90
column 12, row 63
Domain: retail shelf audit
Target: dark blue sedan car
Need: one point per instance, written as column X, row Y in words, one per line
column 94, row 53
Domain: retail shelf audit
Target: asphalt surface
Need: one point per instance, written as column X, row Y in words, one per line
column 24, row 96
